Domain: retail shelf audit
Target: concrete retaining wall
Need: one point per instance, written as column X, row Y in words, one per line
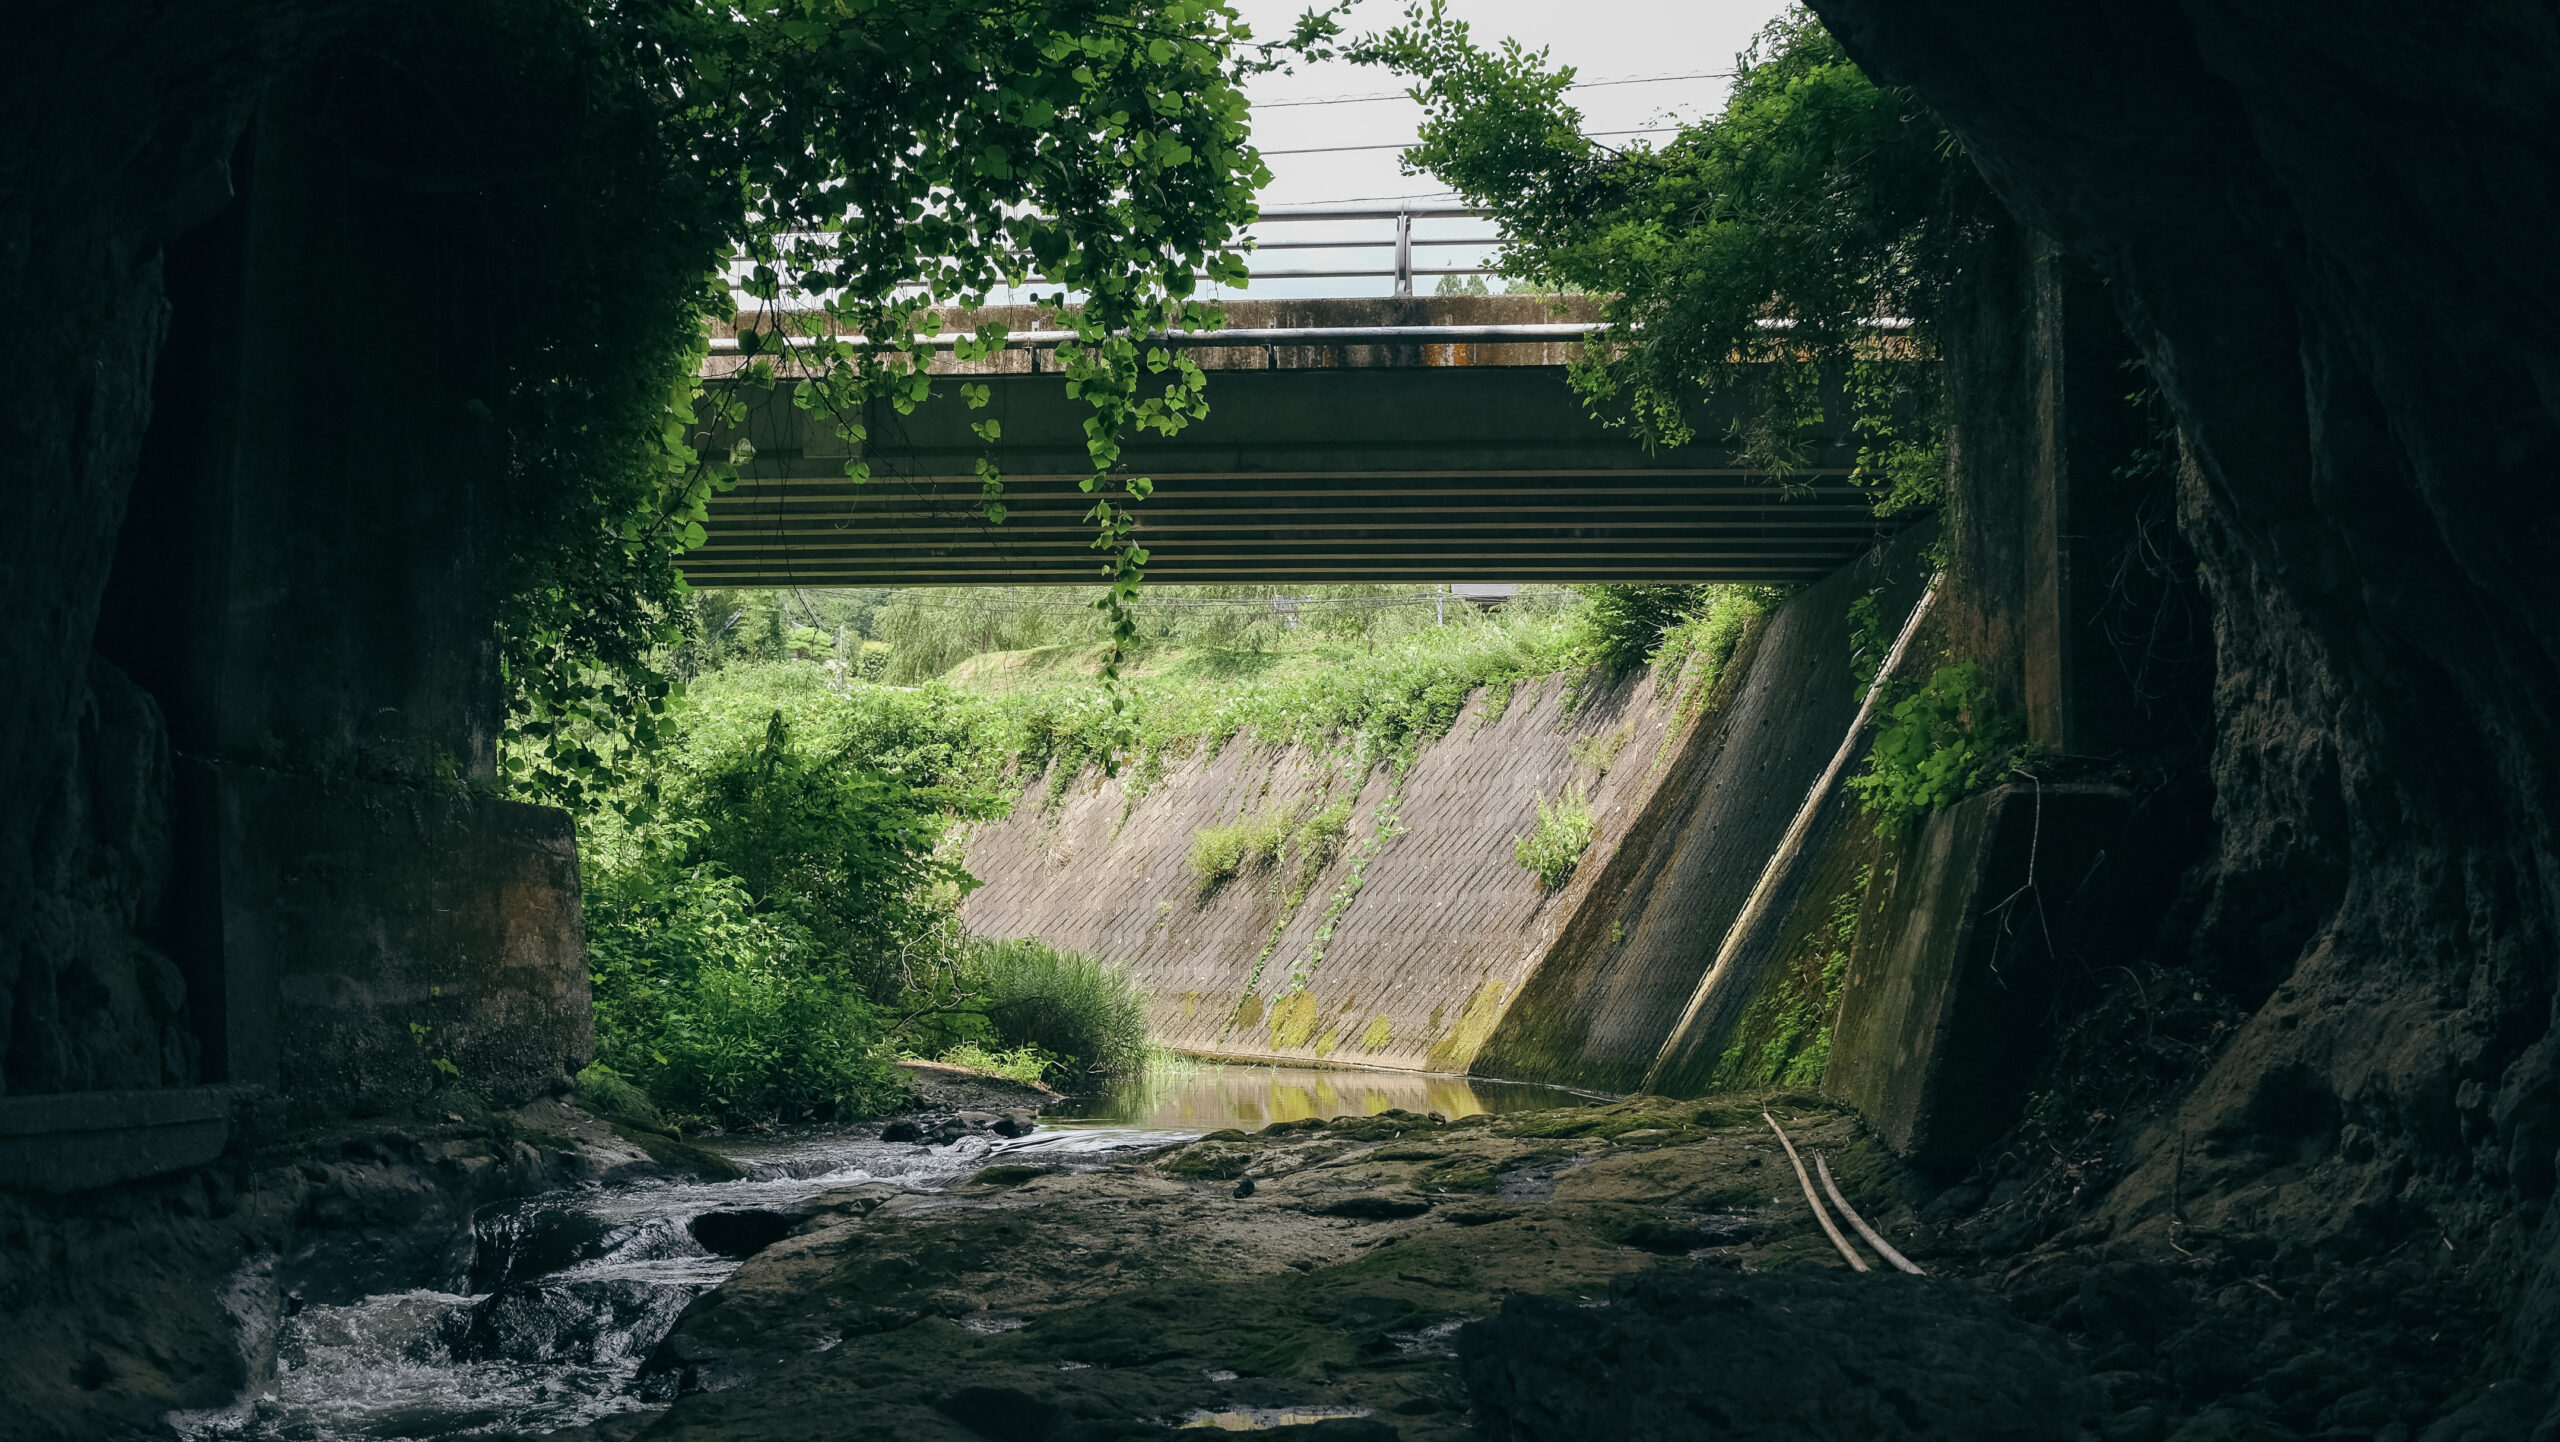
column 1413, row 964
column 1431, row 948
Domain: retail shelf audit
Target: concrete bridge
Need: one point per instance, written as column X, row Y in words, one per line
column 1380, row 440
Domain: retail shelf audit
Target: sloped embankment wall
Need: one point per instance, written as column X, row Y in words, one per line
column 1405, row 947
column 1423, row 943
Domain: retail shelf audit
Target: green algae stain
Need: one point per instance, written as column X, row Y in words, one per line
column 1468, row 1034
column 1380, row 1032
column 1294, row 1019
column 1326, row 1043
column 1248, row 1013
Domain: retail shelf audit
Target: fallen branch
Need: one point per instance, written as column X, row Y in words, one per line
column 1883, row 1248
column 1830, row 1228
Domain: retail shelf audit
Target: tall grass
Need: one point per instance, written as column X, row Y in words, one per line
column 1086, row 1015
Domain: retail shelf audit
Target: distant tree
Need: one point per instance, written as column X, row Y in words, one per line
column 1750, row 255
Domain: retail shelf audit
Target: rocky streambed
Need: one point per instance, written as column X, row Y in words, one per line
column 1641, row 1271
column 1396, row 1275
column 1228, row 1248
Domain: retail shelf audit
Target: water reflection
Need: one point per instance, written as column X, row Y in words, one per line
column 1192, row 1095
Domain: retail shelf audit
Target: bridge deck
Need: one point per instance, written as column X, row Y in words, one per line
column 1385, row 463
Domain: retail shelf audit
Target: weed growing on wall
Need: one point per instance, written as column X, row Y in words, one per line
column 1784, row 1037
column 1938, row 742
column 1555, row 845
column 1297, row 838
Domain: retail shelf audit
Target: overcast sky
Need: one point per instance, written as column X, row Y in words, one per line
column 1603, row 40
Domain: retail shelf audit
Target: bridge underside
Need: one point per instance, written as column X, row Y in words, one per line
column 1364, row 472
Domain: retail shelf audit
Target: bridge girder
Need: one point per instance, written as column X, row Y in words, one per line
column 1382, row 463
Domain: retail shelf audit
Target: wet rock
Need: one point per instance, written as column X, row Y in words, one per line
column 1016, row 1124
column 1786, row 1357
column 1009, row 1176
column 2506, row 1410
column 520, row 1243
column 2130, row 1301
column 902, row 1130
column 976, row 1121
column 741, row 1233
column 1005, row 1414
column 682, row 1157
column 577, row 1322
column 1244, row 1188
column 2230, row 1424
column 1672, row 1238
column 1371, row 1207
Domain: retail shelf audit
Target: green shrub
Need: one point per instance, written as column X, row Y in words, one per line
column 1555, row 845
column 715, row 1009
column 1939, row 742
column 775, row 882
column 1303, row 841
column 1621, row 626
column 1310, row 847
column 1084, row 1014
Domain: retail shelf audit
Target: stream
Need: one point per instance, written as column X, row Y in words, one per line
column 570, row 1291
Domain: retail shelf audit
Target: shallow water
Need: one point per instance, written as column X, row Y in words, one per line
column 570, row 1292
column 1205, row 1096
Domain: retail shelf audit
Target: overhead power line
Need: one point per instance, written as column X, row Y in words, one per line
column 1577, row 85
column 1409, row 144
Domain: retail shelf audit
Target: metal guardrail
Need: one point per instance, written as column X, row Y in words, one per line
column 1403, row 242
column 1531, row 334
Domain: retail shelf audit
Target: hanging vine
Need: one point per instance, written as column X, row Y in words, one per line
column 871, row 165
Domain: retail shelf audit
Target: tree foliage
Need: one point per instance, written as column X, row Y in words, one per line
column 1749, row 256
column 878, row 162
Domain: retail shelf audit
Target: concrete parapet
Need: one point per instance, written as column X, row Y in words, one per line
column 1942, row 1008
column 378, row 941
column 72, row 1141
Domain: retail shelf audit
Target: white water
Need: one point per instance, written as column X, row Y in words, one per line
column 581, row 1286
column 566, row 1346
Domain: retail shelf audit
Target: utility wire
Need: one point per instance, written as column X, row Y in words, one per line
column 1577, row 85
column 1409, row 144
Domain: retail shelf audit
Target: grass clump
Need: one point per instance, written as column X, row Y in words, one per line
column 1555, row 845
column 1219, row 854
column 1086, row 1016
column 1302, row 839
column 1026, row 1064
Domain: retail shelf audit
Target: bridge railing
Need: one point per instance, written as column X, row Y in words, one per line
column 1403, row 243
column 1404, row 247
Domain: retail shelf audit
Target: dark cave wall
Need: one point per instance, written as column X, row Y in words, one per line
column 2326, row 228
column 116, row 149
column 270, row 512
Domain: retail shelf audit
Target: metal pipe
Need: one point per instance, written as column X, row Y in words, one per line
column 1747, row 927
column 1543, row 331
column 1883, row 1248
column 1404, row 251
column 1830, row 1228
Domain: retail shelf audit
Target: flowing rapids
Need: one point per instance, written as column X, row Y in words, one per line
column 570, row 1292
